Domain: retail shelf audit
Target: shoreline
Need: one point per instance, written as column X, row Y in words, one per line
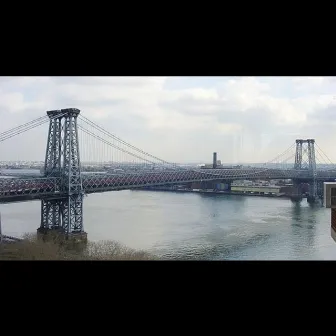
column 214, row 193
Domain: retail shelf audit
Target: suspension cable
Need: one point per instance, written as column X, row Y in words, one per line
column 325, row 155
column 112, row 145
column 282, row 154
column 23, row 125
column 8, row 136
column 26, row 127
column 94, row 125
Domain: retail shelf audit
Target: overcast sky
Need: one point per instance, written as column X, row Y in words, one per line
column 179, row 119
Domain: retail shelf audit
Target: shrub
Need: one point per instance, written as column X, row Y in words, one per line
column 31, row 248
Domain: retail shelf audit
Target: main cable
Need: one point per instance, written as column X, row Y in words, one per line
column 23, row 125
column 8, row 136
column 282, row 154
column 26, row 127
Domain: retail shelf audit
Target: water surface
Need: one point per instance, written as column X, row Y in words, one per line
column 194, row 226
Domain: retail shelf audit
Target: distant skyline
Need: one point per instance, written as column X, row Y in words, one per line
column 179, row 119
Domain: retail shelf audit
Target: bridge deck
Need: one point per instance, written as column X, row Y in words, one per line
column 19, row 189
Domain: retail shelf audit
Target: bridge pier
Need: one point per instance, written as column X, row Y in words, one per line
column 313, row 199
column 296, row 198
column 320, row 190
column 297, row 192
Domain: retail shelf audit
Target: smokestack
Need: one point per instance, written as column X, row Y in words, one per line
column 214, row 162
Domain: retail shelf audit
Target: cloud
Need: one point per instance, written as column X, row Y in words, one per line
column 181, row 119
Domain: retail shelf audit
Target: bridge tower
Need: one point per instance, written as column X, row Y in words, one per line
column 305, row 160
column 63, row 213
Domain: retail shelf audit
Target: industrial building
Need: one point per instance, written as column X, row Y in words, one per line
column 259, row 190
column 330, row 202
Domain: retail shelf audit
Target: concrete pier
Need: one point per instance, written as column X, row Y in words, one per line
column 313, row 200
column 296, row 198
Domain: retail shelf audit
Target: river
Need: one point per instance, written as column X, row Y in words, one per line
column 195, row 226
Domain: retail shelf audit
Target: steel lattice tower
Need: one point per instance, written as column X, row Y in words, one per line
column 307, row 152
column 312, row 167
column 298, row 154
column 64, row 213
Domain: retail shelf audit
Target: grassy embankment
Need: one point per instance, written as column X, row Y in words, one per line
column 32, row 248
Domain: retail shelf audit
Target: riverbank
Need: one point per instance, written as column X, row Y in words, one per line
column 213, row 192
column 31, row 248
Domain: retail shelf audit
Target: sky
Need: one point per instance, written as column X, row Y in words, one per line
column 179, row 119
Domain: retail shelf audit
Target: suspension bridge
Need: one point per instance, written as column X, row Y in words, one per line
column 77, row 145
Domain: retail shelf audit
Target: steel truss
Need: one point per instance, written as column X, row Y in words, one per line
column 56, row 187
column 97, row 183
column 29, row 186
